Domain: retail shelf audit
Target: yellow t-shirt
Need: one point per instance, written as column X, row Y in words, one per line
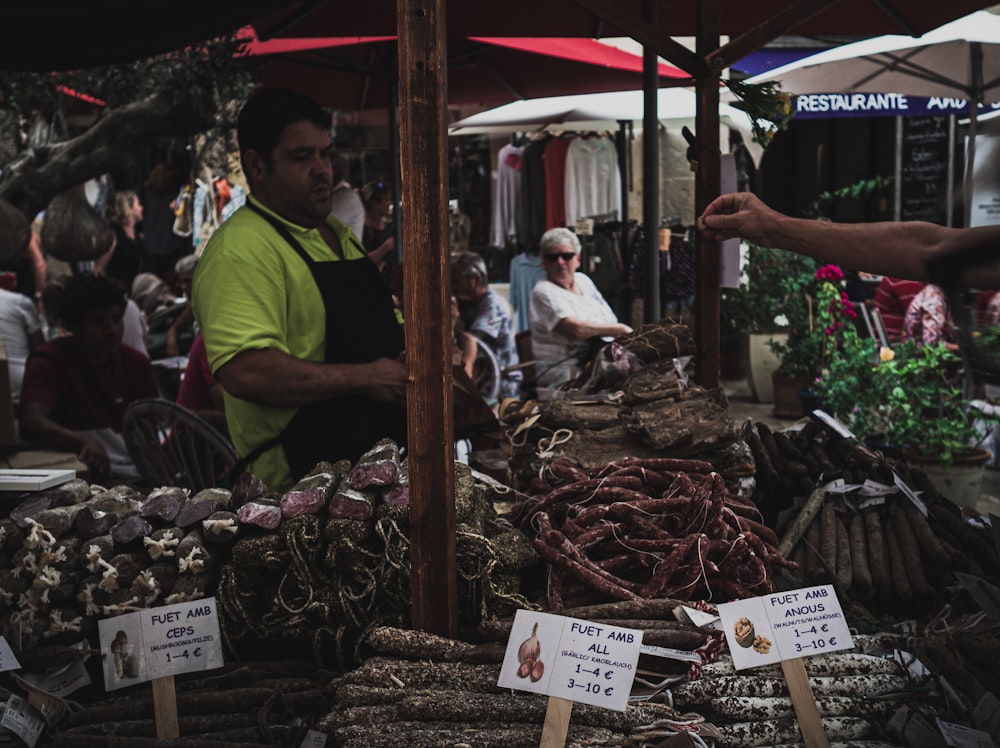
column 253, row 291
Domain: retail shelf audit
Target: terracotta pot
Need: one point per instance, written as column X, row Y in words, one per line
column 761, row 365
column 962, row 481
column 787, row 403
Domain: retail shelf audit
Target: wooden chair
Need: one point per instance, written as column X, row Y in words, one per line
column 173, row 446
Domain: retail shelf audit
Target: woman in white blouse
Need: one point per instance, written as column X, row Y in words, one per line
column 567, row 311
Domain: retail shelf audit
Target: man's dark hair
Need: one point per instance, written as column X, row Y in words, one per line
column 81, row 293
column 268, row 111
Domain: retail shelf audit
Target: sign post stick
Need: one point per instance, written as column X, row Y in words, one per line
column 804, row 703
column 165, row 707
column 556, row 725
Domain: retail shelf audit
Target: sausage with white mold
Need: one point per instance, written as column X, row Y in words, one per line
column 770, row 731
column 221, row 527
column 202, row 505
column 162, row 504
column 162, row 543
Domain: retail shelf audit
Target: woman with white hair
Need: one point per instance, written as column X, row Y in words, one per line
column 567, row 311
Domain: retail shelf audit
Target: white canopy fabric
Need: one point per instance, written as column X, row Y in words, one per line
column 960, row 59
column 939, row 63
column 601, row 111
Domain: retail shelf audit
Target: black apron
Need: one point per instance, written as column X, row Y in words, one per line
column 361, row 326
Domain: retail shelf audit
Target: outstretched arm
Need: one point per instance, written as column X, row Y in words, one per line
column 908, row 249
column 267, row 376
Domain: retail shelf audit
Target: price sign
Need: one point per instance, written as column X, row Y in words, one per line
column 158, row 642
column 7, row 659
column 22, row 719
column 571, row 659
column 181, row 638
column 784, row 626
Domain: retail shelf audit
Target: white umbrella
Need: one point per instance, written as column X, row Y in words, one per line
column 959, row 59
column 600, row 111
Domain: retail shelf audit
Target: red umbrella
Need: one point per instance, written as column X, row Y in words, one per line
column 356, row 72
column 567, row 18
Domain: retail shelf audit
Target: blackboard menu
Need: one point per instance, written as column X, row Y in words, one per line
column 924, row 183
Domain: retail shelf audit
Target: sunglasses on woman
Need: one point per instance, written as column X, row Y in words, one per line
column 564, row 256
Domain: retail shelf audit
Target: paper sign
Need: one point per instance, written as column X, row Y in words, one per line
column 670, row 654
column 700, row 617
column 23, row 720
column 833, row 423
column 960, row 736
column 986, row 715
column 577, row 660
column 182, row 638
column 7, row 659
column 154, row 643
column 910, row 494
column 313, row 739
column 60, row 682
column 785, row 625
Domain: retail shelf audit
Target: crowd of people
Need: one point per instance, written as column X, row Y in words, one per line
column 291, row 319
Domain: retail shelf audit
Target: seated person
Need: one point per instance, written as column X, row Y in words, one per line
column 184, row 324
column 488, row 313
column 76, row 387
column 892, row 299
column 200, row 391
column 21, row 332
column 928, row 320
column 567, row 311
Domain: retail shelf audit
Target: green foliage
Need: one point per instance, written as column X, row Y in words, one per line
column 816, row 337
column 926, row 408
column 773, row 291
column 861, row 191
column 769, row 107
column 853, row 389
column 914, row 398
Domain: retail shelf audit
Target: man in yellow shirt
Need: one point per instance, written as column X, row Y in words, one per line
column 299, row 327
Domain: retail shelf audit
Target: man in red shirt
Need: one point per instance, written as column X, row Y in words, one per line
column 76, row 387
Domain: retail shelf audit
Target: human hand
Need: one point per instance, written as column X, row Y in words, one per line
column 95, row 457
column 738, row 214
column 386, row 380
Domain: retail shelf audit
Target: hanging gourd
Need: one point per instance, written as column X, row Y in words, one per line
column 73, row 231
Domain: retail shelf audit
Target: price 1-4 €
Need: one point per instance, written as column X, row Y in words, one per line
column 196, row 652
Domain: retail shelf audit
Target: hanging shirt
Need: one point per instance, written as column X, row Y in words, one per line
column 593, row 186
column 525, row 271
column 508, row 195
column 555, row 182
column 532, row 214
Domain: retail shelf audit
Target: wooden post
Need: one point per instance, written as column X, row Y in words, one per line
column 707, row 186
column 556, row 725
column 804, row 703
column 427, row 307
column 165, row 707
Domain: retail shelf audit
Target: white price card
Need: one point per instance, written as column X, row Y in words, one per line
column 157, row 642
column 23, row 720
column 7, row 659
column 960, row 736
column 785, row 625
column 572, row 659
column 313, row 739
column 182, row 638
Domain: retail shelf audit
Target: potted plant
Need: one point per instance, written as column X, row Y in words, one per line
column 814, row 340
column 770, row 294
column 914, row 397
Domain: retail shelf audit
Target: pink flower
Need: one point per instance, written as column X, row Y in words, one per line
column 830, row 273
